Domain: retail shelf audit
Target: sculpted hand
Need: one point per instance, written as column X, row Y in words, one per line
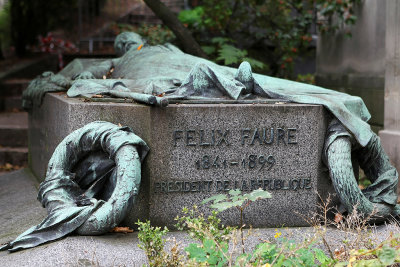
column 60, row 80
column 84, row 75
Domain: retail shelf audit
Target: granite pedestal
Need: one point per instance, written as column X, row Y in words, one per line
column 198, row 150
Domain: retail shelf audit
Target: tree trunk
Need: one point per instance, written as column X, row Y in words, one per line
column 181, row 32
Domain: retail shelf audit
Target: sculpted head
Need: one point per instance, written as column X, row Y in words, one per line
column 127, row 41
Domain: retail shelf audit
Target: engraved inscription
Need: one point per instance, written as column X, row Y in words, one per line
column 256, row 162
column 215, row 159
column 294, row 184
column 223, row 137
column 268, row 136
column 201, row 137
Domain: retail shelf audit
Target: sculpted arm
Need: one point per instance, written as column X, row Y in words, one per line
column 97, row 71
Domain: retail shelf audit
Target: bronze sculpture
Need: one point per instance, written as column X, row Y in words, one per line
column 156, row 74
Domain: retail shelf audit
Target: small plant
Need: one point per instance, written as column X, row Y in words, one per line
column 193, row 220
column 287, row 253
column 385, row 254
column 152, row 242
column 217, row 244
column 235, row 199
column 213, row 247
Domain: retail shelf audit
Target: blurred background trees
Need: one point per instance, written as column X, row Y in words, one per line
column 270, row 34
column 28, row 19
column 273, row 35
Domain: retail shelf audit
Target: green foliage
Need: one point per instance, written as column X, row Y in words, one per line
column 280, row 29
column 152, row 242
column 235, row 199
column 208, row 252
column 191, row 17
column 216, row 244
column 192, row 220
column 334, row 15
column 155, row 34
column 287, row 254
column 306, row 78
column 385, row 254
column 230, row 54
column 5, row 37
column 213, row 237
column 223, row 202
column 223, row 51
column 213, row 248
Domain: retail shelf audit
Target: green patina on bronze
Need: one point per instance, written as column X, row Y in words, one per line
column 154, row 70
column 167, row 72
column 92, row 180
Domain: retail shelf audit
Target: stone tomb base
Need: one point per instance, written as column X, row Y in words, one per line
column 198, row 150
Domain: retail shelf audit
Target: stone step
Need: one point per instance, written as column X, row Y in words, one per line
column 13, row 129
column 11, row 103
column 15, row 136
column 13, row 87
column 14, row 155
column 14, row 119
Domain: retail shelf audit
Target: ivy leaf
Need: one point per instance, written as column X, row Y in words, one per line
column 306, row 257
column 239, row 197
column 321, row 256
column 196, row 252
column 259, row 194
column 234, row 192
column 215, row 198
column 209, row 245
column 387, row 255
column 237, row 203
column 261, row 249
column 222, row 206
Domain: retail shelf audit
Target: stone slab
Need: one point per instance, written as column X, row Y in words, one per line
column 198, row 150
column 19, row 208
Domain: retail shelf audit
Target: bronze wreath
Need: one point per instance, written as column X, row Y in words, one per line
column 92, row 180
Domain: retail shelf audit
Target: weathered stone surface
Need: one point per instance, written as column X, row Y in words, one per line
column 198, row 150
column 19, row 211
